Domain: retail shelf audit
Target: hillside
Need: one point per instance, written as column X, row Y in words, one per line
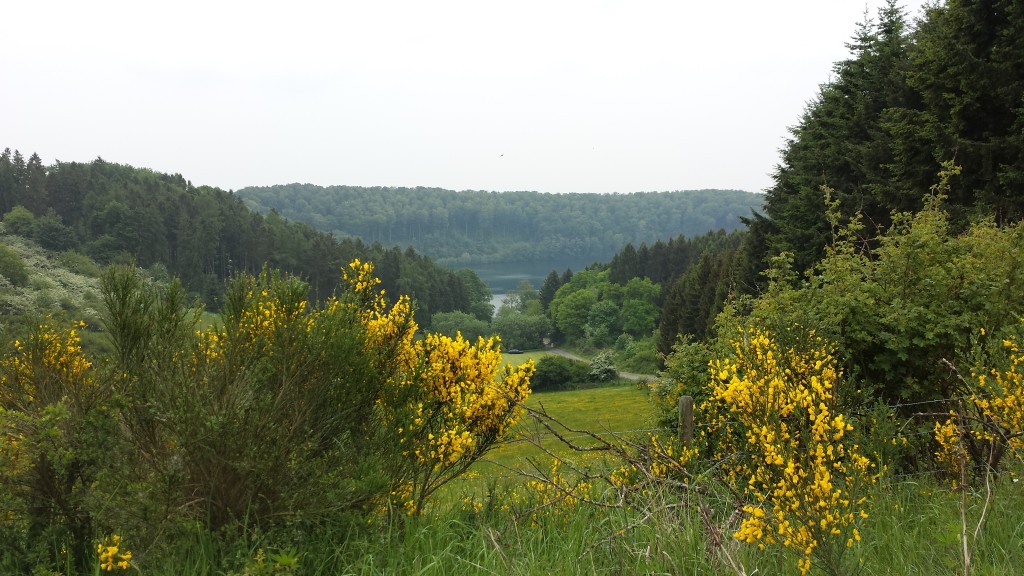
column 115, row 213
column 477, row 227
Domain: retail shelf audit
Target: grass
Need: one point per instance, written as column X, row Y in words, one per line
column 609, row 410
column 913, row 530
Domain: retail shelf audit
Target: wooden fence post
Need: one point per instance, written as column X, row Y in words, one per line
column 686, row 420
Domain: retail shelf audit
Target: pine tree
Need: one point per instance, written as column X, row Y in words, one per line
column 547, row 291
column 839, row 142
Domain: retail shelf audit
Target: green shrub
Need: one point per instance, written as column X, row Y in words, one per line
column 20, row 221
column 51, row 233
column 451, row 323
column 559, row 373
column 79, row 264
column 272, row 415
column 12, row 267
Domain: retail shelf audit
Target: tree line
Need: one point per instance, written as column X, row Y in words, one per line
column 115, row 213
column 477, row 227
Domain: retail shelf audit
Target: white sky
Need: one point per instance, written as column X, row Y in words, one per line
column 555, row 96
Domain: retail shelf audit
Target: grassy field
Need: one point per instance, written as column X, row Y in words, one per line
column 619, row 410
column 614, row 410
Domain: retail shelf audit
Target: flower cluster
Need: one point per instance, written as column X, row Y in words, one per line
column 44, row 369
column 557, row 495
column 112, row 555
column 795, row 462
column 389, row 330
column 952, row 454
column 1001, row 396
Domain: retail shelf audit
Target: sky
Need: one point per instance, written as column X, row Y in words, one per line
column 554, row 96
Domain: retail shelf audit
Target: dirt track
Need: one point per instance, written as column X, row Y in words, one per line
column 626, row 375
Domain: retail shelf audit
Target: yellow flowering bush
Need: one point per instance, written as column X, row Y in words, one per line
column 1000, row 397
column 450, row 401
column 792, row 457
column 55, row 433
column 989, row 420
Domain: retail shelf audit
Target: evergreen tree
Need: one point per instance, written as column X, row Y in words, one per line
column 547, row 291
column 968, row 68
column 839, row 142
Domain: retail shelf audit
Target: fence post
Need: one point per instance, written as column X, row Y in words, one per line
column 685, row 420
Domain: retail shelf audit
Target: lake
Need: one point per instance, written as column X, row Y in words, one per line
column 504, row 278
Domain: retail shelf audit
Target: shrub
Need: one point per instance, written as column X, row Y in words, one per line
column 602, row 368
column 79, row 264
column 12, row 267
column 57, row 430
column 452, row 323
column 20, row 221
column 51, row 233
column 274, row 411
column 786, row 447
column 558, row 373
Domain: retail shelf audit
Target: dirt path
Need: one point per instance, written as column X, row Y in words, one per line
column 626, row 375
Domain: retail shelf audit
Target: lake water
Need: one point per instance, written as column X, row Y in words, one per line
column 504, row 278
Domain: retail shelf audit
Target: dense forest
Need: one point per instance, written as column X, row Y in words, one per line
column 476, row 227
column 202, row 235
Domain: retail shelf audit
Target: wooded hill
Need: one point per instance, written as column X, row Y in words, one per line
column 477, row 227
column 202, row 235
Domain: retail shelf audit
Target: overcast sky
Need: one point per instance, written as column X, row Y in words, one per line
column 554, row 96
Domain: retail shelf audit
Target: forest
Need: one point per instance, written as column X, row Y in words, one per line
column 842, row 388
column 476, row 227
column 114, row 213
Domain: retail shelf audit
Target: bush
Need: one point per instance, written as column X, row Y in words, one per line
column 12, row 267
column 273, row 412
column 51, row 233
column 602, row 368
column 559, row 373
column 20, row 221
column 521, row 330
column 57, row 433
column 79, row 264
column 452, row 323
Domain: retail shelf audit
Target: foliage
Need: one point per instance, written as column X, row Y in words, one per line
column 452, row 323
column 636, row 355
column 19, row 221
column 273, row 411
column 521, row 330
column 786, row 447
column 559, row 373
column 898, row 310
column 56, row 430
column 478, row 227
column 12, row 267
column 685, row 374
